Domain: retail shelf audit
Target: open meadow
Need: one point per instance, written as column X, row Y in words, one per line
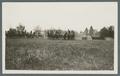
column 41, row 54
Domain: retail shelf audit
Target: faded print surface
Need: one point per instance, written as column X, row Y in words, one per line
column 60, row 36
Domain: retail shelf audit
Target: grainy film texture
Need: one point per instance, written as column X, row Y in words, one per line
column 59, row 36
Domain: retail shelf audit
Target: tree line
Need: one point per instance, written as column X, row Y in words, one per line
column 107, row 32
column 20, row 32
column 60, row 34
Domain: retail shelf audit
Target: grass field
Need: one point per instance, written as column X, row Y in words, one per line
column 38, row 54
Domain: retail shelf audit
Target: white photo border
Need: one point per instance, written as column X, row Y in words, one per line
column 115, row 71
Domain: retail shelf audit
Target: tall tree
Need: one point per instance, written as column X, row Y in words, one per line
column 21, row 30
column 104, row 32
column 91, row 31
column 86, row 31
column 111, row 31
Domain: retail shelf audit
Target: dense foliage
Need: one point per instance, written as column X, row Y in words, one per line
column 107, row 32
column 20, row 32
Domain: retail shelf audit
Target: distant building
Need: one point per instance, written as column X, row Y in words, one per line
column 44, row 34
column 87, row 34
column 78, row 36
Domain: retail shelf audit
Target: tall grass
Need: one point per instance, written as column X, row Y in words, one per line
column 39, row 54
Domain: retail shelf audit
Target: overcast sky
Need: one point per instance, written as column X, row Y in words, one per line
column 73, row 15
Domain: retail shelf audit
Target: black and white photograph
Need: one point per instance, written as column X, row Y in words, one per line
column 59, row 37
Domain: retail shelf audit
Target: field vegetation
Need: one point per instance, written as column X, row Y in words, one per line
column 42, row 54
